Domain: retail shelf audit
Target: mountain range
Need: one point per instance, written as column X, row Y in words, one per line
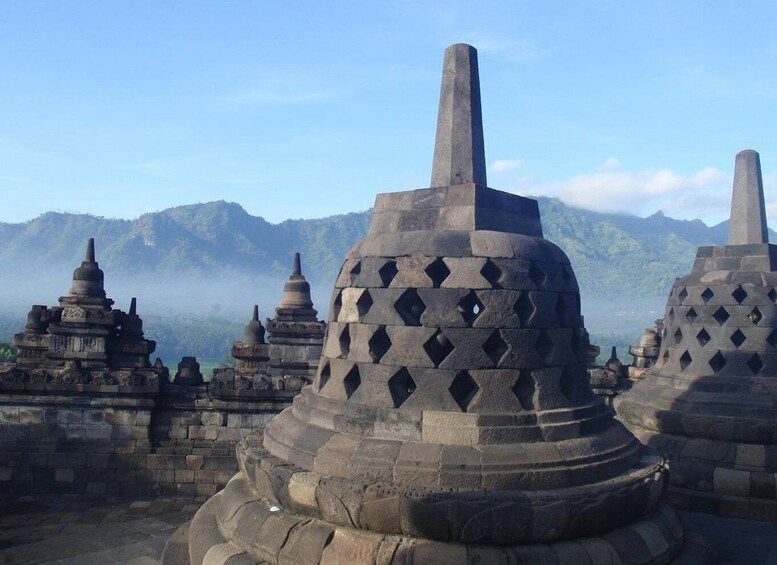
column 622, row 262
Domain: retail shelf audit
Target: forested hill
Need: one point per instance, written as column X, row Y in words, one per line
column 613, row 255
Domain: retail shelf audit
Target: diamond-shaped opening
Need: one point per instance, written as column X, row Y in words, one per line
column 772, row 339
column 387, row 273
column 524, row 308
column 721, row 315
column 337, row 305
column 717, row 362
column 356, row 271
column 352, row 381
column 739, row 294
column 561, row 310
column 755, row 363
column 438, row 271
column 707, row 295
column 410, row 307
column 682, row 295
column 665, row 356
column 703, row 337
column 755, row 316
column 524, row 390
column 401, row 386
column 537, row 275
column 544, row 346
column 379, row 343
column 678, row 336
column 470, row 307
column 685, row 360
column 691, row 315
column 364, row 303
column 491, row 273
column 323, row 376
column 495, row 347
column 463, row 389
column 738, row 338
column 345, row 342
column 772, row 295
column 438, row 347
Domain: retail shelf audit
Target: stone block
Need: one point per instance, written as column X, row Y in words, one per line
column 731, row 481
column 411, row 272
column 374, row 459
column 468, row 352
column 306, row 543
column 407, row 346
column 465, row 272
column 351, row 546
column 64, row 475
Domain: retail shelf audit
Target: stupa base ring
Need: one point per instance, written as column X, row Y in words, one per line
column 239, row 526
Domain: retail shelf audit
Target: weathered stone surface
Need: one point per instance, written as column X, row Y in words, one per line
column 704, row 402
column 441, row 420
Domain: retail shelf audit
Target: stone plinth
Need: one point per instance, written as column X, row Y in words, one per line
column 450, row 419
column 707, row 404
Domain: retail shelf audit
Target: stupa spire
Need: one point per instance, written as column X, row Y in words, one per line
column 255, row 317
column 748, row 211
column 459, row 151
column 90, row 251
column 133, row 306
column 297, row 269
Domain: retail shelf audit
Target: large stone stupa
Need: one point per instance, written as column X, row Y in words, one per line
column 708, row 404
column 451, row 420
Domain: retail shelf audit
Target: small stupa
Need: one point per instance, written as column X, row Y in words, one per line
column 84, row 340
column 281, row 365
column 707, row 404
column 451, row 420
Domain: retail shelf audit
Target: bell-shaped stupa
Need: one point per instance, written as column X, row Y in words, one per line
column 708, row 403
column 451, row 420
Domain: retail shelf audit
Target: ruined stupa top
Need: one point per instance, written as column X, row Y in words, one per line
column 88, row 279
column 748, row 211
column 296, row 303
column 458, row 199
column 254, row 330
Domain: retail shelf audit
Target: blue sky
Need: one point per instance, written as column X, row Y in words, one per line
column 307, row 109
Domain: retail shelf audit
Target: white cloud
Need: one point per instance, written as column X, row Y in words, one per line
column 610, row 164
column 500, row 166
column 705, row 194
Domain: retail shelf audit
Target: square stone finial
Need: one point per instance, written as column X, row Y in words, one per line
column 748, row 211
column 459, row 151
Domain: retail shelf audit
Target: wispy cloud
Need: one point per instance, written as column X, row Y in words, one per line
column 705, row 194
column 284, row 89
column 513, row 49
column 503, row 165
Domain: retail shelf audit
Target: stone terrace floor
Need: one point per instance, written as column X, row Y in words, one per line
column 84, row 531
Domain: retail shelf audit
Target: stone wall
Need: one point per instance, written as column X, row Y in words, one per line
column 181, row 441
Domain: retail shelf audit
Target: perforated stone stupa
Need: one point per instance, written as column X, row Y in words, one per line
column 451, row 420
column 708, row 403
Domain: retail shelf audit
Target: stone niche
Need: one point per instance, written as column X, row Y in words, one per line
column 450, row 419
